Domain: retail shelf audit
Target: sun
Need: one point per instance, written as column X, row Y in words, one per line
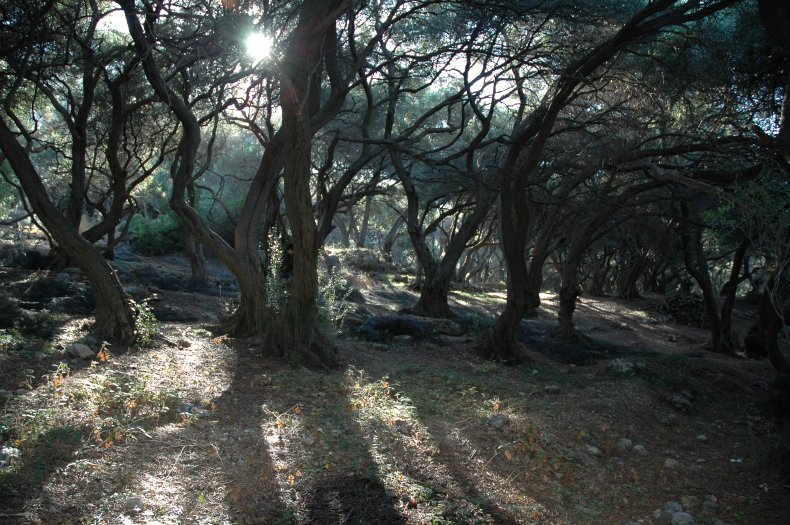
column 259, row 46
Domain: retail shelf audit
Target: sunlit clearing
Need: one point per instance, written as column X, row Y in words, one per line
column 259, row 46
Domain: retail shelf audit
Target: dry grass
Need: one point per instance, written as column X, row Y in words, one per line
column 204, row 430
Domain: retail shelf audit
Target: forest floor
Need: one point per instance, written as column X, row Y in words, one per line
column 202, row 429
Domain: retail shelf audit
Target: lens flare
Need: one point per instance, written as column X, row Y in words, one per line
column 259, row 46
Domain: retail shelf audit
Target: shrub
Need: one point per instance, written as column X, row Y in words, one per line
column 157, row 236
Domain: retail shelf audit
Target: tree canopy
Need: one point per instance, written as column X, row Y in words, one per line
column 608, row 147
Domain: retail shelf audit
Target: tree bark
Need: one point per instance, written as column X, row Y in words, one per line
column 316, row 28
column 627, row 284
column 194, row 250
column 774, row 15
column 115, row 319
column 723, row 340
column 529, row 139
column 392, row 235
column 569, row 292
column 363, row 230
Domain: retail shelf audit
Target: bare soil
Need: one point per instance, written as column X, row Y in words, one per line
column 204, row 429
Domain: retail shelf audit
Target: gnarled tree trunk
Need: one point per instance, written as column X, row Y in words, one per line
column 115, row 319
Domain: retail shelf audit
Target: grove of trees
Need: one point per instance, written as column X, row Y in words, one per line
column 615, row 147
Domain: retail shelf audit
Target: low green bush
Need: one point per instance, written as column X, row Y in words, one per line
column 156, row 236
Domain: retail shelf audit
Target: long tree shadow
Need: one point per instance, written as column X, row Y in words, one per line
column 323, row 468
column 443, row 460
column 191, row 455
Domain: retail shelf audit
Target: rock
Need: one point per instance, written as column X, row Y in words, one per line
column 5, row 393
column 679, row 401
column 667, row 418
column 194, row 411
column 137, row 291
column 123, row 252
column 363, row 259
column 641, row 450
column 89, row 340
column 44, row 289
column 38, row 323
column 79, row 304
column 682, row 518
column 624, row 444
column 689, row 502
column 621, row 366
column 499, row 422
column 391, row 493
column 171, row 314
column 710, row 505
column 183, row 343
column 9, row 312
column 82, row 351
column 8, row 455
column 385, row 327
column 551, row 389
column 308, row 441
column 587, row 512
column 593, row 450
column 133, row 505
column 702, row 438
column 33, row 260
column 671, row 464
column 671, row 507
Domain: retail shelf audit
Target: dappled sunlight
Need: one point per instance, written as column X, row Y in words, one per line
column 419, row 455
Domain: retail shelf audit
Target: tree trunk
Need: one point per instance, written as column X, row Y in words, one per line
column 500, row 344
column 115, row 319
column 730, row 288
column 260, row 205
column 345, row 241
column 363, row 230
column 197, row 259
column 392, row 235
column 569, row 293
column 600, row 273
column 298, row 98
column 722, row 340
column 774, row 15
column 194, row 250
column 627, row 284
column 433, row 296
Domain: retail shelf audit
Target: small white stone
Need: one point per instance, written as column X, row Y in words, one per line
column 671, row 463
column 624, row 444
column 82, row 351
column 593, row 450
column 683, row 518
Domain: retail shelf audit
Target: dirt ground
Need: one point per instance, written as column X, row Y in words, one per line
column 202, row 429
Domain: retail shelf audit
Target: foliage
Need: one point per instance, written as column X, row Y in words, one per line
column 333, row 294
column 8, row 199
column 14, row 342
column 147, row 326
column 156, row 236
column 759, row 210
column 276, row 285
